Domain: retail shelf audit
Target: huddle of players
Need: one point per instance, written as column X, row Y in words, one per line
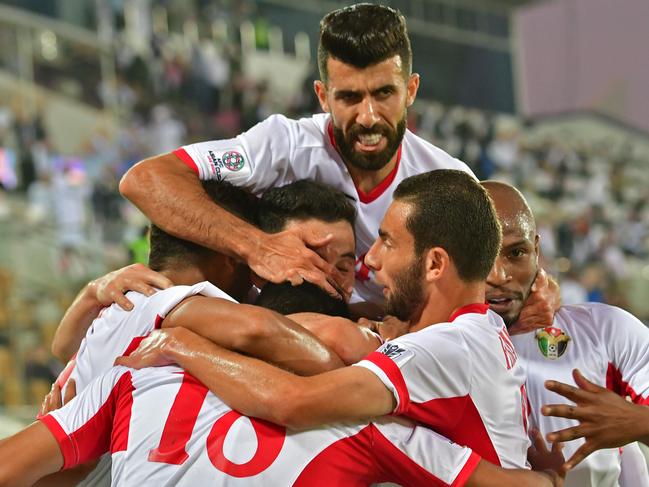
column 363, row 148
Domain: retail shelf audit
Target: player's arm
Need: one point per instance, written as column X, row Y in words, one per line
column 29, row 455
column 346, row 338
column 256, row 388
column 487, row 474
column 170, row 194
column 98, row 294
column 606, row 420
column 255, row 331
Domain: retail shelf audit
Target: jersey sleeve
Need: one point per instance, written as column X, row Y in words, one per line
column 96, row 421
column 256, row 159
column 627, row 344
column 416, row 455
column 422, row 366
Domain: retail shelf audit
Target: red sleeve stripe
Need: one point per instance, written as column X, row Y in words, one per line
column 391, row 369
column 467, row 470
column 65, row 443
column 617, row 384
column 186, row 158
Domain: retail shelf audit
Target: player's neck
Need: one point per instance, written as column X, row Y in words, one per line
column 443, row 301
column 366, row 180
column 185, row 276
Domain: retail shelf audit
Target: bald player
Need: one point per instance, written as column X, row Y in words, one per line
column 608, row 344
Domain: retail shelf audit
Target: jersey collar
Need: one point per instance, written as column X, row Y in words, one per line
column 480, row 308
column 382, row 186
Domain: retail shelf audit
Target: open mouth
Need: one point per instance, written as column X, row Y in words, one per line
column 370, row 142
column 501, row 303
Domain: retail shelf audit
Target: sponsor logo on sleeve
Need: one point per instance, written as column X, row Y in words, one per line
column 222, row 163
column 553, row 342
column 397, row 352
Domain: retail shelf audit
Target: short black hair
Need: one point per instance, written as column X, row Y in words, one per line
column 307, row 297
column 363, row 35
column 450, row 209
column 167, row 250
column 303, row 200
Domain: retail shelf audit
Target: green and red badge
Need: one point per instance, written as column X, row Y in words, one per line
column 553, row 342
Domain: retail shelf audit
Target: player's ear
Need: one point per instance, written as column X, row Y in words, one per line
column 436, row 263
column 412, row 87
column 321, row 91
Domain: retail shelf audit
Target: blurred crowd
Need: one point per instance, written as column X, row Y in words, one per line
column 590, row 198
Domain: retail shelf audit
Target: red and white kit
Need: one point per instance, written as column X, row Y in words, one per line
column 611, row 348
column 462, row 379
column 279, row 151
column 163, row 427
column 117, row 332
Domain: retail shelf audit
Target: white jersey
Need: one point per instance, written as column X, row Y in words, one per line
column 279, row 151
column 611, row 348
column 117, row 332
column 462, row 379
column 163, row 427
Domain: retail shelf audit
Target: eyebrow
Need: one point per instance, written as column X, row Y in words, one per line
column 374, row 92
column 522, row 241
column 383, row 234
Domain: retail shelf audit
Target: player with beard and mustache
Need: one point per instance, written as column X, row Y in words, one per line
column 456, row 371
column 360, row 145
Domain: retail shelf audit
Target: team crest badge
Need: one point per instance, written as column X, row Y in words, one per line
column 552, row 341
column 233, row 160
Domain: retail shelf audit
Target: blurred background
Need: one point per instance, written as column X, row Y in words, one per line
column 548, row 95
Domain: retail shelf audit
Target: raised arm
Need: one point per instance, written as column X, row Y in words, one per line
column 256, row 388
column 254, row 331
column 170, row 194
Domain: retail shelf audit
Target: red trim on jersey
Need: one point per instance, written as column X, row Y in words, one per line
column 186, row 158
column 391, row 369
column 61, row 437
column 158, row 322
column 122, row 416
column 93, row 438
column 382, row 186
column 133, row 345
column 480, row 308
column 467, row 470
column 459, row 420
column 615, row 383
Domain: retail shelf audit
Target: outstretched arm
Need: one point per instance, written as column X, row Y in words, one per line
column 256, row 388
column 29, row 455
column 606, row 420
column 255, row 331
column 170, row 194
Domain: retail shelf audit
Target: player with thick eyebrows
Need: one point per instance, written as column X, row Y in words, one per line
column 437, row 244
column 360, row 145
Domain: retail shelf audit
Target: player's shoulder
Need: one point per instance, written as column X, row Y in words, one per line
column 423, row 155
column 595, row 313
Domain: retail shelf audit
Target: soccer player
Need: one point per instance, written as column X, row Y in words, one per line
column 455, row 372
column 360, row 145
column 608, row 344
column 199, row 275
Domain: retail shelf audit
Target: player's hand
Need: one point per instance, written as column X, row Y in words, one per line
column 151, row 351
column 112, row 287
column 290, row 256
column 389, row 328
column 551, row 461
column 606, row 420
column 53, row 400
column 538, row 312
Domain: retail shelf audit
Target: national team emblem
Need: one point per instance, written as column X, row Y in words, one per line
column 233, row 160
column 552, row 341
